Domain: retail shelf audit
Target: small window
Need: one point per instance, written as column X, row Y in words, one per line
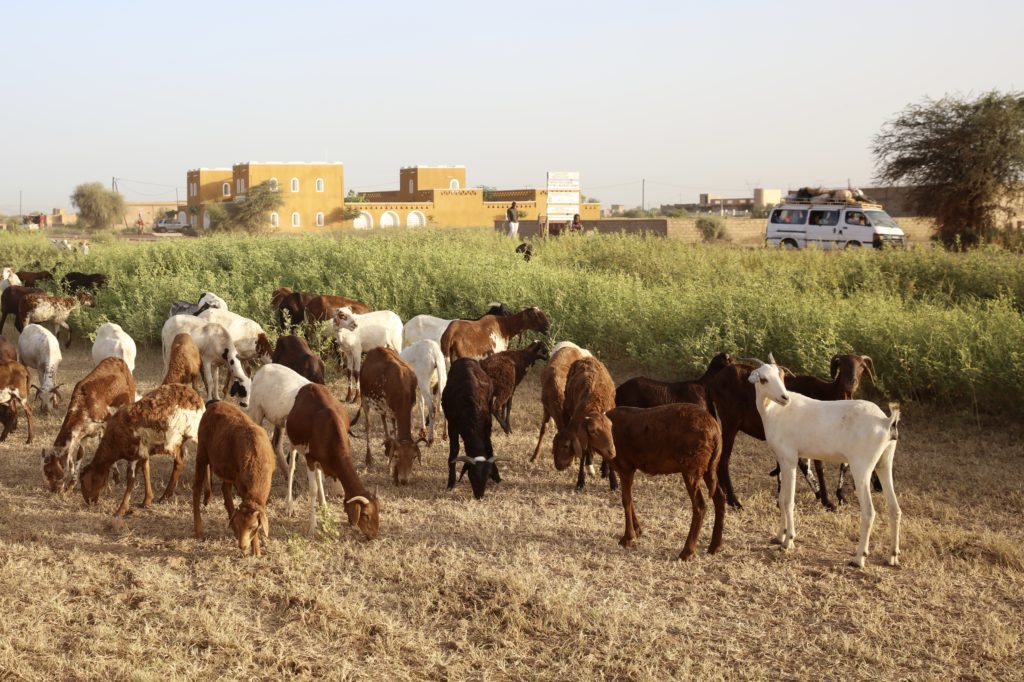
column 295, row 220
column 226, row 189
column 274, row 220
column 824, row 218
column 273, row 184
column 295, row 184
column 856, row 218
column 319, row 184
column 412, row 186
column 454, row 184
column 785, row 216
column 243, row 184
column 319, row 219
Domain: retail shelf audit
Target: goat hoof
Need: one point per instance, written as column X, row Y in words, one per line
column 627, row 542
column 894, row 560
column 857, row 562
column 829, row 506
column 686, row 555
column 735, row 504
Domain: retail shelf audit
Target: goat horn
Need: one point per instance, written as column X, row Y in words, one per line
column 771, row 359
column 357, row 498
column 749, row 361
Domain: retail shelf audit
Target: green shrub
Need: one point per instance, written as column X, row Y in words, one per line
column 712, row 227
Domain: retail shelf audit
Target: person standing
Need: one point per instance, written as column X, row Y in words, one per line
column 512, row 218
column 577, row 224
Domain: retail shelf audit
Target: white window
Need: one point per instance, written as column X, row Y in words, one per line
column 238, row 185
column 295, row 220
column 273, row 184
column 412, row 186
column 319, row 184
column 453, row 184
column 226, row 189
column 319, row 219
column 295, row 184
column 274, row 220
column 192, row 221
column 206, row 220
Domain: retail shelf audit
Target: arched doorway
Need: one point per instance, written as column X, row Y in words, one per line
column 363, row 221
column 415, row 219
column 389, row 219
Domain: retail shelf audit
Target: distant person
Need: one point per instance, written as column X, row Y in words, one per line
column 577, row 224
column 512, row 218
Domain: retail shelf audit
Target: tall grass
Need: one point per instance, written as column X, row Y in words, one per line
column 940, row 327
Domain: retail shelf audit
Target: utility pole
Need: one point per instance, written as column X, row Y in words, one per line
column 643, row 194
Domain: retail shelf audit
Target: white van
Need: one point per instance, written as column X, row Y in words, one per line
column 832, row 225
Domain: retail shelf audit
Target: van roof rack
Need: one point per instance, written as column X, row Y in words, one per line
column 831, row 202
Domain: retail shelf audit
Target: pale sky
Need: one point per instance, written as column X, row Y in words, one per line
column 694, row 97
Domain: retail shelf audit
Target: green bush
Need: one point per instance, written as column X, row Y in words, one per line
column 712, row 227
column 940, row 326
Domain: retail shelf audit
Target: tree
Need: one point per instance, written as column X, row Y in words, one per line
column 98, row 207
column 963, row 159
column 250, row 213
column 352, row 212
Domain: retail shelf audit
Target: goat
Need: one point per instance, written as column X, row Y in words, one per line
column 39, row 308
column 507, row 370
column 113, row 342
column 490, row 334
column 321, row 308
column 293, row 351
column 429, row 327
column 206, row 301
column 388, row 384
column 248, row 336
column 357, row 334
column 31, row 279
column 426, row 360
column 552, row 383
column 644, row 392
column 215, row 348
column 75, row 282
column 185, row 364
column 109, row 385
column 589, row 390
column 290, row 307
column 160, row 423
column 39, row 350
column 318, row 426
column 10, row 300
column 466, row 402
column 273, row 395
column 677, row 438
column 238, row 451
column 852, row 431
column 9, row 278
column 13, row 393
column 8, row 351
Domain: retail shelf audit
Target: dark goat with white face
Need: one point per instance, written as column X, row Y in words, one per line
column 466, row 402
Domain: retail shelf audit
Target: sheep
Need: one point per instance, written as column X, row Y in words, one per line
column 206, row 301
column 215, row 348
column 109, row 385
column 357, row 334
column 185, row 364
column 644, row 392
column 293, row 351
column 852, row 431
column 423, row 327
column 552, row 382
column 10, row 301
column 388, row 384
column 589, row 390
column 318, row 427
column 490, row 334
column 426, row 360
column 238, row 451
column 39, row 350
column 676, row 438
column 113, row 342
column 466, row 401
column 160, row 423
column 39, row 308
column 273, row 394
column 507, row 370
column 13, row 393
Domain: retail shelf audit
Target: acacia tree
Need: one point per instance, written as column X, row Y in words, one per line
column 963, row 159
column 97, row 206
column 249, row 214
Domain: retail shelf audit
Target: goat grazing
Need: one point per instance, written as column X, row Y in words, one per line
column 644, row 392
column 39, row 350
column 8, row 351
column 466, row 401
column 31, row 279
column 852, row 431
column 273, row 395
column 423, row 327
column 13, row 394
column 206, row 301
column 185, row 364
column 490, row 334
column 292, row 351
column 357, row 334
column 75, row 282
column 215, row 348
column 39, row 308
column 388, row 385
column 250, row 340
column 10, row 301
column 552, row 386
column 589, row 391
column 507, row 370
column 426, row 360
column 238, row 451
column 113, row 342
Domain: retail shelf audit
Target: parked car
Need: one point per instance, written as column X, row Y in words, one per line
column 169, row 225
column 832, row 225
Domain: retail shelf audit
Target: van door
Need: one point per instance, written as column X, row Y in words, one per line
column 789, row 227
column 823, row 227
column 856, row 228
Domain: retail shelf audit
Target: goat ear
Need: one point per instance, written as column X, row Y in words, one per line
column 752, row 377
column 264, row 524
column 833, row 367
column 577, row 449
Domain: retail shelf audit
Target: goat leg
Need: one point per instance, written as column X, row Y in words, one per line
column 581, row 478
column 819, row 470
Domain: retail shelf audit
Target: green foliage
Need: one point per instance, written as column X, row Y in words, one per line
column 940, row 326
column 963, row 158
column 761, row 212
column 98, row 207
column 488, row 192
column 675, row 212
column 639, row 213
column 712, row 227
column 352, row 212
column 250, row 213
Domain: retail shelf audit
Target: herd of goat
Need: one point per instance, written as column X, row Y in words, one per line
column 461, row 372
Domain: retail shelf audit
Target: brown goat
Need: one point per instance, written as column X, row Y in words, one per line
column 388, row 383
column 507, row 370
column 490, row 334
column 165, row 418
column 318, row 428
column 109, row 385
column 185, row 365
column 552, row 386
column 236, row 449
column 320, row 308
column 8, row 351
column 644, row 392
column 31, row 279
column 294, row 353
column 677, row 438
column 589, row 392
column 10, row 301
column 14, row 385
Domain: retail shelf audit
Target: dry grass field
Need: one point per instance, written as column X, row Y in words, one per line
column 528, row 583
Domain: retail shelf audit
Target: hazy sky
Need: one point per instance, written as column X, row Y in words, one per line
column 717, row 97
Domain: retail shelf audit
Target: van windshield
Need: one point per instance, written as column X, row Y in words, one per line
column 881, row 219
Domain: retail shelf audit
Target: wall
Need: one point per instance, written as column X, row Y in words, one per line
column 150, row 211
column 307, row 202
column 654, row 226
column 430, row 177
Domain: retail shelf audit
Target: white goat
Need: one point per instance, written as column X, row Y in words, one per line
column 113, row 342
column 357, row 334
column 853, row 431
column 427, row 361
column 206, row 300
column 215, row 348
column 39, row 350
column 273, row 395
column 250, row 340
column 9, row 279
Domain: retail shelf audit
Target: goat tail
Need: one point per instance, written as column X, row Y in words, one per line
column 711, row 477
column 894, row 420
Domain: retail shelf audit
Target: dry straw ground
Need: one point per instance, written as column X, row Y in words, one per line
column 530, row 582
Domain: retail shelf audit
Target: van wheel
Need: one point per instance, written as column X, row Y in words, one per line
column 853, row 245
column 788, row 244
